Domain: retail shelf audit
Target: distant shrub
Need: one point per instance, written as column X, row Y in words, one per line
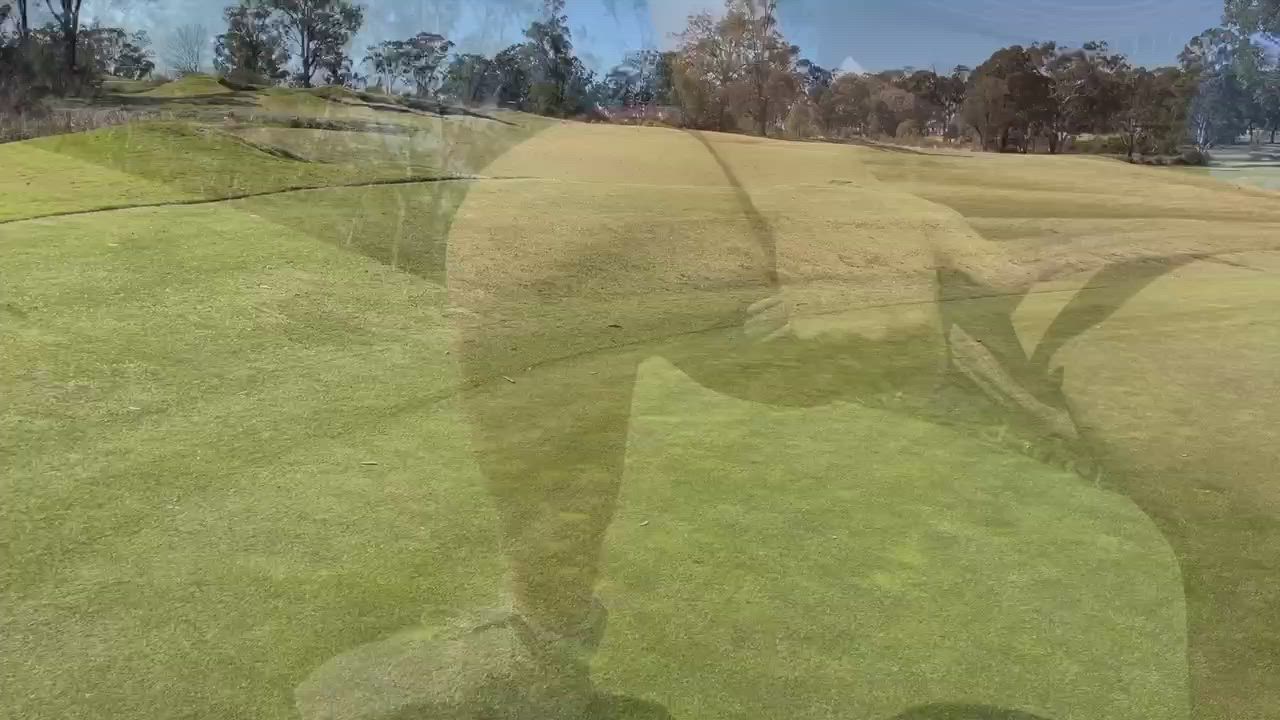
column 590, row 115
column 1166, row 145
column 801, row 122
column 874, row 126
column 241, row 81
column 1194, row 156
column 1101, row 145
column 907, row 129
column 314, row 123
column 17, row 94
column 335, row 92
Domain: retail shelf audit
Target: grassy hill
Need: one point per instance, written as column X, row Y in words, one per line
column 192, row 85
column 234, row 444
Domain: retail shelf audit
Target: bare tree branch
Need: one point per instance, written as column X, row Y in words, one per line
column 184, row 51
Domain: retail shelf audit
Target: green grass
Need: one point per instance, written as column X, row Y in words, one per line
column 153, row 163
column 796, row 563
column 204, row 162
column 193, row 85
column 191, row 394
column 180, row 501
column 193, row 528
column 40, row 182
column 295, row 101
column 367, row 220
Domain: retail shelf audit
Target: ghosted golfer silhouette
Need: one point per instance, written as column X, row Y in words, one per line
column 781, row 274
column 794, row 287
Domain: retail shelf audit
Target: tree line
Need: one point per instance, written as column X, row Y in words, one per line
column 731, row 71
column 302, row 41
column 736, row 71
column 63, row 55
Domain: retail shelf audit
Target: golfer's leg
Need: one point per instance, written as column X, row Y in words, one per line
column 551, row 445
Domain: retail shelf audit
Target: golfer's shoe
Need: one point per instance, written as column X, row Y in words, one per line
column 503, row 668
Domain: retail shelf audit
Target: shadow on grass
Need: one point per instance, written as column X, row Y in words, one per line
column 965, row 712
column 900, row 149
column 622, row 707
column 233, row 100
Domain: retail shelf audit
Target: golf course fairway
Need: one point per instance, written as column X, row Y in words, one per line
column 236, row 433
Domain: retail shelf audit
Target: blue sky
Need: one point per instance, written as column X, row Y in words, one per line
column 880, row 34
column 876, row 34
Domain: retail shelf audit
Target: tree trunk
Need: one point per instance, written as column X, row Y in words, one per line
column 305, row 52
column 72, row 40
column 24, row 26
column 1273, row 136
